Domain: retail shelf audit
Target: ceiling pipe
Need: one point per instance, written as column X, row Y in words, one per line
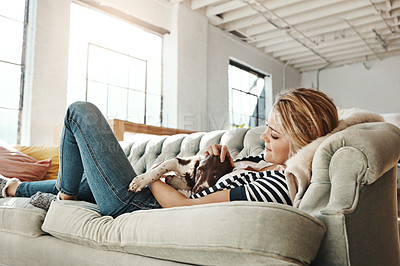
column 384, row 20
column 288, row 26
column 318, row 71
column 286, row 29
column 284, row 75
column 381, row 41
column 361, row 37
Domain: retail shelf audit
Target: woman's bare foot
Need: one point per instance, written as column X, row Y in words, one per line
column 12, row 188
column 62, row 196
column 5, row 183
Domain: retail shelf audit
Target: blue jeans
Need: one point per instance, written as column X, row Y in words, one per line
column 93, row 166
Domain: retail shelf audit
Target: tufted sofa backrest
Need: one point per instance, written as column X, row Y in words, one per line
column 145, row 151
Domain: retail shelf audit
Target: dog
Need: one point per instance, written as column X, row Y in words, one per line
column 189, row 175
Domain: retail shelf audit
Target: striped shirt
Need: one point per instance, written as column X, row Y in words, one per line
column 265, row 186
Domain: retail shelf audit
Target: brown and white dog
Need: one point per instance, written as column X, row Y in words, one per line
column 190, row 175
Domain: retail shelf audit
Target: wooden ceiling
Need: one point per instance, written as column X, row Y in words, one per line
column 310, row 34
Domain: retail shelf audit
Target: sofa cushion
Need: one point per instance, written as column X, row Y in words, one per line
column 225, row 233
column 20, row 217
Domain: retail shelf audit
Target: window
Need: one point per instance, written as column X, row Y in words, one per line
column 115, row 65
column 247, row 89
column 13, row 21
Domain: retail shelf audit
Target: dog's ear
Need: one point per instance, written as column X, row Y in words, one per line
column 209, row 171
column 178, row 182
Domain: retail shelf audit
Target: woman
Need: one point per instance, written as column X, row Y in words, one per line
column 94, row 168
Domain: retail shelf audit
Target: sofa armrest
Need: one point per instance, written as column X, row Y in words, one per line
column 353, row 191
column 350, row 159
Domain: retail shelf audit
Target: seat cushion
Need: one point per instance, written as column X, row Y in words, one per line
column 225, row 233
column 20, row 217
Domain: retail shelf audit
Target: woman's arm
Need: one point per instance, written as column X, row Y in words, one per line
column 168, row 197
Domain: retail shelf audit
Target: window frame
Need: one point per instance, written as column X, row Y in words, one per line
column 22, row 66
column 110, row 84
column 231, row 88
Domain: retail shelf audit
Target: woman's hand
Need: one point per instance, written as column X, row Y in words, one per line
column 221, row 150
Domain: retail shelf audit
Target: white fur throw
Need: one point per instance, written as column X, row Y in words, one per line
column 298, row 171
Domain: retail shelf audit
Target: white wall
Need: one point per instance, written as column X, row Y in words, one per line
column 376, row 89
column 221, row 48
column 196, row 58
column 46, row 76
column 202, row 59
column 191, row 69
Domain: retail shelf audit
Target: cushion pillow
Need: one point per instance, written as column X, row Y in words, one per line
column 20, row 217
column 42, row 152
column 16, row 164
column 232, row 233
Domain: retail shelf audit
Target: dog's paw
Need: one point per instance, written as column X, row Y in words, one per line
column 138, row 183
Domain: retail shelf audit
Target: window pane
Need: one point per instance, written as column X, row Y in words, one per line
column 259, row 88
column 237, row 100
column 153, row 109
column 137, row 75
column 234, row 77
column 118, row 69
column 154, row 83
column 9, row 125
column 252, row 83
column 98, row 64
column 252, row 122
column 251, row 105
column 97, row 94
column 10, row 76
column 117, row 102
column 244, row 80
column 13, row 9
column 11, row 50
column 136, row 106
column 261, row 109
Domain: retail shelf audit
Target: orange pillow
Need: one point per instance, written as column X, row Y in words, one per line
column 42, row 152
column 16, row 164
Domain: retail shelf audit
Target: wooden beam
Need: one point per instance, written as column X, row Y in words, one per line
column 216, row 10
column 196, row 4
column 119, row 127
column 348, row 60
column 175, row 1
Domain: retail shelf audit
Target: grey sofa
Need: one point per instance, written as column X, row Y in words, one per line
column 348, row 215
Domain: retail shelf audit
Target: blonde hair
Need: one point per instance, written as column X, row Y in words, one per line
column 305, row 115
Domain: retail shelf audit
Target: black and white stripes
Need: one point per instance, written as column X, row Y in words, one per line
column 266, row 186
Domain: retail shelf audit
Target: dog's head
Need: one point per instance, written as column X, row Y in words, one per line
column 209, row 171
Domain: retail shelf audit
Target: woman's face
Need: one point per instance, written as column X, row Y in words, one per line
column 276, row 143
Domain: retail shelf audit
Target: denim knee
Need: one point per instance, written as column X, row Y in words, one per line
column 82, row 107
column 84, row 110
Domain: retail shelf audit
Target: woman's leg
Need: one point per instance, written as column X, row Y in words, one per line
column 28, row 189
column 89, row 145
